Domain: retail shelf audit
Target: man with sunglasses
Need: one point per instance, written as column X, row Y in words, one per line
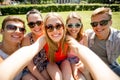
column 12, row 30
column 104, row 40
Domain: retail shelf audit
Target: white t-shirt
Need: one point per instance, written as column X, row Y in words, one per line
column 4, row 56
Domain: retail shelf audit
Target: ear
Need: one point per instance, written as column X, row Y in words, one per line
column 1, row 31
column 110, row 22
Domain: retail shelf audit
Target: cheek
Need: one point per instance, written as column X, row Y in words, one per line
column 49, row 35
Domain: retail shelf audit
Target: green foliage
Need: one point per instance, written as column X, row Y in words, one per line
column 23, row 9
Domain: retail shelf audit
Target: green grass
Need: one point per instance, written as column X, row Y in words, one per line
column 85, row 15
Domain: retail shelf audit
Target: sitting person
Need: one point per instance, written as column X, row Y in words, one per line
column 103, row 39
column 35, row 69
column 75, row 27
column 13, row 29
column 24, row 55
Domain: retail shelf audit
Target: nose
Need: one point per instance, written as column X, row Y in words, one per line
column 17, row 30
column 98, row 26
column 54, row 29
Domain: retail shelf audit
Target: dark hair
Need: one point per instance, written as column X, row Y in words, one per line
column 33, row 11
column 12, row 18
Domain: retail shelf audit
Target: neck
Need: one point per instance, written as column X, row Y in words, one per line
column 105, row 37
column 9, row 48
column 35, row 37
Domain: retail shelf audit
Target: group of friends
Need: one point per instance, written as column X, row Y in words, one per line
column 54, row 50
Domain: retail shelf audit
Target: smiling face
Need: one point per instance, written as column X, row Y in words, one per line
column 73, row 31
column 57, row 33
column 14, row 36
column 102, row 31
column 35, row 18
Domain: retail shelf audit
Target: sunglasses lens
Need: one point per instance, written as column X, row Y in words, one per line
column 78, row 25
column 94, row 24
column 22, row 30
column 39, row 23
column 31, row 24
column 70, row 25
column 58, row 26
column 14, row 28
column 11, row 27
column 50, row 27
column 104, row 22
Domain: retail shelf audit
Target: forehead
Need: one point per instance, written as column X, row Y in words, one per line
column 33, row 17
column 53, row 20
column 100, row 17
column 16, row 23
column 73, row 20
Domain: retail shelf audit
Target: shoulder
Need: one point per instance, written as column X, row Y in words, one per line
column 115, row 33
column 26, row 40
column 3, row 54
column 89, row 31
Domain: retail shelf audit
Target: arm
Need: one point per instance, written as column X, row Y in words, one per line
column 1, row 59
column 31, row 66
column 98, row 69
column 33, row 69
column 18, row 60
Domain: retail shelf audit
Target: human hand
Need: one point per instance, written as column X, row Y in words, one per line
column 73, row 44
column 40, row 42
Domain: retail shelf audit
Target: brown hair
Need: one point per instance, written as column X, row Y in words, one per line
column 12, row 18
column 53, row 47
column 33, row 11
column 77, row 16
column 102, row 10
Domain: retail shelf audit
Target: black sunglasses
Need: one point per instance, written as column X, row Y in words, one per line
column 32, row 24
column 101, row 23
column 50, row 27
column 14, row 28
column 76, row 25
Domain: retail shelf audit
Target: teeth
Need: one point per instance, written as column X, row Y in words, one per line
column 15, row 36
column 37, row 30
column 55, row 35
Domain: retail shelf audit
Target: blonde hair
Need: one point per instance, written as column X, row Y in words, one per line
column 102, row 10
column 77, row 16
column 53, row 47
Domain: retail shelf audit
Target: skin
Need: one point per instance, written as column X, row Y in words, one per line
column 12, row 38
column 101, row 30
column 79, row 66
column 20, row 58
column 81, row 51
column 37, row 30
column 73, row 31
column 62, row 72
column 55, row 35
column 95, row 64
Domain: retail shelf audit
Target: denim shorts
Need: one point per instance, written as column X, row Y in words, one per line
column 115, row 67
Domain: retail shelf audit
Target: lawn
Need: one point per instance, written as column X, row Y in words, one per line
column 85, row 15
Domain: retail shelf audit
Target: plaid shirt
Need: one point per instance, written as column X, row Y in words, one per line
column 112, row 44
